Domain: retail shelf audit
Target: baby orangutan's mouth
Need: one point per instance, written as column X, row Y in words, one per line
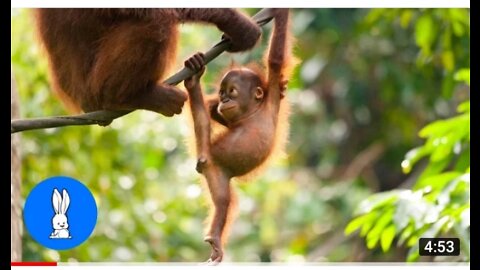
column 227, row 106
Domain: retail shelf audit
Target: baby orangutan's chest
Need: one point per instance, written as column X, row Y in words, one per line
column 243, row 150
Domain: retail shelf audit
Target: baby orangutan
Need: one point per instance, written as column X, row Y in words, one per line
column 249, row 106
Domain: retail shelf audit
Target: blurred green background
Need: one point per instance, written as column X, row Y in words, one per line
column 369, row 80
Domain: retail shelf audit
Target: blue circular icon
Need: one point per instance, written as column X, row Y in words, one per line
column 60, row 213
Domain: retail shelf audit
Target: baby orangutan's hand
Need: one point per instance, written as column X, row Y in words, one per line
column 195, row 63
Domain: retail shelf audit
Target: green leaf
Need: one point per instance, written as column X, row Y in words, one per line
column 413, row 254
column 437, row 181
column 406, row 233
column 405, row 18
column 448, row 60
column 374, row 15
column 437, row 128
column 413, row 240
column 366, row 228
column 448, row 83
column 412, row 157
column 374, row 235
column 387, row 237
column 463, row 75
column 372, row 239
column 454, row 137
column 458, row 15
column 432, row 169
column 458, row 29
column 425, row 32
column 358, row 222
column 378, row 200
column 463, row 161
column 465, row 106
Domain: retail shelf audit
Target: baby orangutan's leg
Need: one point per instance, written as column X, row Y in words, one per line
column 219, row 186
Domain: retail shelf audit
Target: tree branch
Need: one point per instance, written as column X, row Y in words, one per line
column 104, row 118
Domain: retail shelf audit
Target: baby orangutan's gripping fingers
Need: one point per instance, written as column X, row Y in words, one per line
column 196, row 62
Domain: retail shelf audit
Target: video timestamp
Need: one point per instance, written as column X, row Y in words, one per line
column 439, row 246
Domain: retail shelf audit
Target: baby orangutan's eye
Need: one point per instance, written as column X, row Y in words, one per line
column 233, row 92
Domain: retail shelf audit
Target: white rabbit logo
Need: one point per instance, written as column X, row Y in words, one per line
column 59, row 221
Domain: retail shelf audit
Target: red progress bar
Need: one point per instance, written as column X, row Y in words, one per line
column 33, row 264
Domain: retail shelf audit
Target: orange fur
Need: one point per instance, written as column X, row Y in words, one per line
column 280, row 141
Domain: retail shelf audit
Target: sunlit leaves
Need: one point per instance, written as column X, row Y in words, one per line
column 463, row 75
column 445, row 139
column 460, row 21
column 425, row 33
column 448, row 60
column 440, row 198
column 437, row 32
column 387, row 237
column 406, row 17
column 360, row 222
column 376, row 201
column 376, row 232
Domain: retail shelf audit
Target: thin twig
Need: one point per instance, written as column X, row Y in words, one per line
column 104, row 118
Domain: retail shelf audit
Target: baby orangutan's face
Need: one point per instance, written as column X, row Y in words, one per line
column 239, row 94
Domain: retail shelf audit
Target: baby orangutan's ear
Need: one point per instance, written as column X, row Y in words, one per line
column 259, row 93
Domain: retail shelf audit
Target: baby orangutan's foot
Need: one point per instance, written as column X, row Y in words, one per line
column 217, row 251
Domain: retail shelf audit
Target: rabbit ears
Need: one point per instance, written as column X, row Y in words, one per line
column 60, row 205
